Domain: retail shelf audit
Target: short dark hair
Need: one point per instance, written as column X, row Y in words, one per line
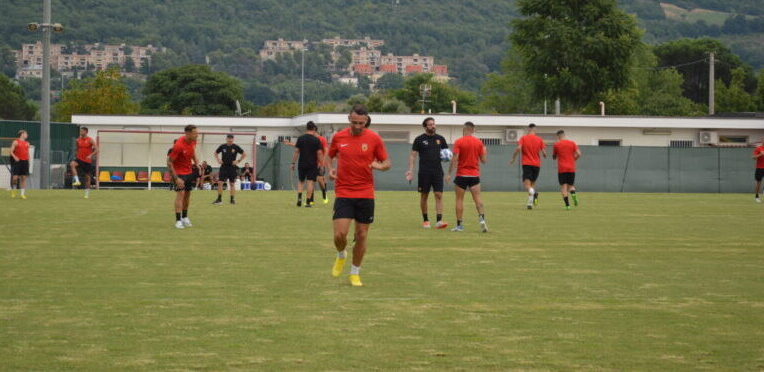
column 85, row 128
column 189, row 128
column 229, row 136
column 470, row 124
column 360, row 109
column 559, row 132
column 368, row 121
column 424, row 122
column 21, row 131
column 311, row 125
column 531, row 125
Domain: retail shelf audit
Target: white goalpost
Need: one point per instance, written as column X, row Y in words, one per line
column 139, row 151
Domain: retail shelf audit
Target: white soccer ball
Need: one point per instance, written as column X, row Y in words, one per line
column 267, row 186
column 446, row 155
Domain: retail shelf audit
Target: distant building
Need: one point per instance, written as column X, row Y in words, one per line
column 273, row 48
column 89, row 56
column 363, row 69
column 367, row 42
column 402, row 63
column 366, row 56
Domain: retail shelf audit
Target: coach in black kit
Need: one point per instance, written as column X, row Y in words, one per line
column 309, row 149
column 428, row 146
column 229, row 170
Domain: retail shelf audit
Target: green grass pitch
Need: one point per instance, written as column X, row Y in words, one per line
column 625, row 281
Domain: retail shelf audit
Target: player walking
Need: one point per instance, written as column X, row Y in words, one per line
column 430, row 175
column 228, row 167
column 530, row 145
column 566, row 152
column 19, row 164
column 86, row 150
column 308, row 149
column 469, row 152
column 180, row 164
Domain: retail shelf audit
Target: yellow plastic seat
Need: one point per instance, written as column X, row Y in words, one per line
column 130, row 176
column 156, row 176
column 104, row 176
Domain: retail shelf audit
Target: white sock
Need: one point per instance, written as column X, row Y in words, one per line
column 355, row 270
column 531, row 191
column 341, row 254
column 87, row 192
column 22, row 191
column 530, row 199
column 76, row 179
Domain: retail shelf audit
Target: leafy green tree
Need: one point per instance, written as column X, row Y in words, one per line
column 280, row 109
column 242, row 63
column 390, row 82
column 31, row 87
column 732, row 97
column 574, row 50
column 760, row 91
column 7, row 61
column 103, row 94
column 441, row 95
column 164, row 60
column 191, row 90
column 510, row 91
column 13, row 104
column 685, row 53
column 129, row 65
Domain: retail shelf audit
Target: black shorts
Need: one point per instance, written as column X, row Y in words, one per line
column 759, row 174
column 321, row 171
column 189, row 181
column 429, row 181
column 84, row 167
column 19, row 168
column 228, row 173
column 309, row 173
column 567, row 178
column 531, row 173
column 361, row 210
column 466, row 182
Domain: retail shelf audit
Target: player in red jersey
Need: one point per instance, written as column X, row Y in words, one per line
column 530, row 145
column 359, row 152
column 758, row 155
column 180, row 163
column 321, row 167
column 86, row 150
column 468, row 151
column 566, row 152
column 19, row 164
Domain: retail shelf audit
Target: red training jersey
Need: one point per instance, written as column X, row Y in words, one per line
column 531, row 146
column 84, row 148
column 325, row 148
column 355, row 178
column 22, row 150
column 760, row 159
column 469, row 149
column 565, row 151
column 181, row 155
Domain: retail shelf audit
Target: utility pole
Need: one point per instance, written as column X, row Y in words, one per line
column 302, row 83
column 47, row 28
column 711, row 80
column 557, row 106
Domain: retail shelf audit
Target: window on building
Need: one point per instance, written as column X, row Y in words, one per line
column 733, row 139
column 491, row 141
column 609, row 143
column 681, row 143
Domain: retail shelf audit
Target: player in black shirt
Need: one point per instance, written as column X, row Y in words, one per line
column 228, row 167
column 430, row 176
column 309, row 149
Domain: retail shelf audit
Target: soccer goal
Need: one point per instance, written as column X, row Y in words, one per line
column 138, row 158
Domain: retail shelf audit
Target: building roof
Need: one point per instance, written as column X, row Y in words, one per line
column 483, row 120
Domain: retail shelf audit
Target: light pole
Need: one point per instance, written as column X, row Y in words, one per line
column 302, row 83
column 46, row 27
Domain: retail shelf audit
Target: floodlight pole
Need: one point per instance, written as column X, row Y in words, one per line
column 711, row 81
column 45, row 107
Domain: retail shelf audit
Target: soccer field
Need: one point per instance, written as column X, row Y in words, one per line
column 625, row 281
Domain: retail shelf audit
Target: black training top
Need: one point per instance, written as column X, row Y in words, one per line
column 429, row 148
column 309, row 146
column 229, row 152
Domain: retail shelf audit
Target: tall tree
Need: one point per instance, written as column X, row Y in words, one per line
column 191, row 90
column 103, row 94
column 7, row 61
column 510, row 91
column 732, row 97
column 13, row 104
column 691, row 58
column 574, row 49
column 439, row 100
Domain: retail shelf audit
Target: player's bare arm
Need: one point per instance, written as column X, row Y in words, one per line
column 241, row 159
column 454, row 160
column 94, row 149
column 410, row 172
column 294, row 157
column 178, row 181
column 514, row 154
column 577, row 154
column 217, row 158
column 16, row 158
column 381, row 165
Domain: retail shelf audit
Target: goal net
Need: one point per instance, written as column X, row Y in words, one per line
column 138, row 158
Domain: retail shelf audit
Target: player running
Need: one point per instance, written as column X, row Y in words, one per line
column 322, row 167
column 19, row 164
column 308, row 149
column 530, row 145
column 566, row 152
column 358, row 151
column 228, row 167
column 430, row 175
column 758, row 155
column 180, row 164
column 86, row 150
column 469, row 152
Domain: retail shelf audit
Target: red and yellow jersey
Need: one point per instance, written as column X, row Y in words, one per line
column 469, row 149
column 355, row 154
column 85, row 147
